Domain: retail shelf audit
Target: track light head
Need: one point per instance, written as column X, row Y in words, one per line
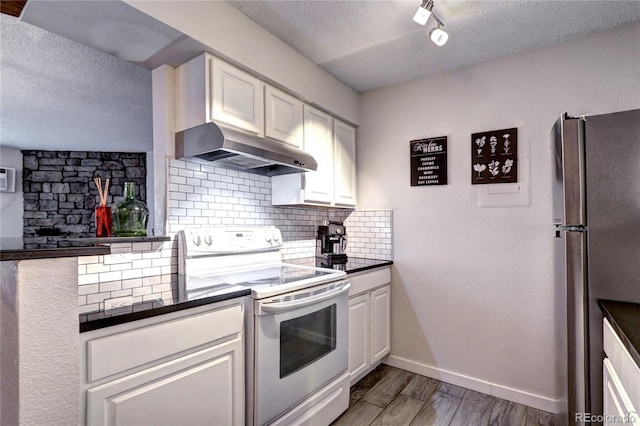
column 438, row 36
column 423, row 13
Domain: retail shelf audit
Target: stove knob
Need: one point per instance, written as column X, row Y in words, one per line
column 208, row 240
column 268, row 236
column 277, row 237
column 196, row 240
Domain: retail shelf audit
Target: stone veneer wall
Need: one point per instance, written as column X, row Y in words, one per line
column 59, row 190
column 204, row 195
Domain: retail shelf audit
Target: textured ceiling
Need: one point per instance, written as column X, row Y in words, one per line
column 61, row 94
column 372, row 44
column 57, row 94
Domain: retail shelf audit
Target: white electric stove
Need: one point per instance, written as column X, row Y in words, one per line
column 296, row 321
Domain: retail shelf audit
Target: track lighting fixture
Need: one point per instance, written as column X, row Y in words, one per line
column 424, row 12
column 438, row 36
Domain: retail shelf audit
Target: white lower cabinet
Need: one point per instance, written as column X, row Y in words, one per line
column 380, row 323
column 621, row 382
column 183, row 368
column 359, row 324
column 369, row 321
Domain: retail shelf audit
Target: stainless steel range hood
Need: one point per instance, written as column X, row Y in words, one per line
column 233, row 149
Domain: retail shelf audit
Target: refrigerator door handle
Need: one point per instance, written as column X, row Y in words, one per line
column 570, row 228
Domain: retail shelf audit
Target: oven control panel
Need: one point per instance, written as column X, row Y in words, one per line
column 222, row 240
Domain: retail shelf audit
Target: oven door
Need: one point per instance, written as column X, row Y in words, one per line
column 301, row 344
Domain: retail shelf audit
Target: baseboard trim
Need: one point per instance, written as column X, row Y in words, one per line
column 499, row 391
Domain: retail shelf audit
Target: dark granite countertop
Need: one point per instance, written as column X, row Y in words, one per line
column 625, row 320
column 59, row 246
column 14, row 249
column 353, row 265
column 151, row 308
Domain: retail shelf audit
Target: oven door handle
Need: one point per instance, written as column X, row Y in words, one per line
column 276, row 307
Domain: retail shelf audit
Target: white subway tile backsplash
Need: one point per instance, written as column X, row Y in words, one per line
column 117, row 258
column 178, row 180
column 186, row 189
column 192, row 166
column 206, row 195
column 143, row 263
column 186, row 173
column 110, row 286
column 88, row 259
column 133, row 283
column 110, row 276
column 92, row 307
column 132, row 273
column 120, row 293
column 95, row 268
column 88, row 289
column 141, row 291
column 88, row 279
column 97, row 297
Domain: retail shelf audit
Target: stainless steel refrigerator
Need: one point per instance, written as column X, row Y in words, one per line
column 597, row 223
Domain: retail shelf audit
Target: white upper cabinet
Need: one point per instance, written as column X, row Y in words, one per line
column 332, row 145
column 318, row 141
column 209, row 89
column 237, row 98
column 283, row 117
column 344, row 164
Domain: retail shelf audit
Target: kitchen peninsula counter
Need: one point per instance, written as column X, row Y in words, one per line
column 625, row 320
column 150, row 308
column 14, row 249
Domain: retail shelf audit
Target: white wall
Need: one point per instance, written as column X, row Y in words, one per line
column 11, row 203
column 60, row 95
column 473, row 294
column 40, row 347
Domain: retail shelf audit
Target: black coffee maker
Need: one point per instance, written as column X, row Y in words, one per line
column 331, row 243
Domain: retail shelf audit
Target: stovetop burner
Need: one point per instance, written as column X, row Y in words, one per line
column 244, row 257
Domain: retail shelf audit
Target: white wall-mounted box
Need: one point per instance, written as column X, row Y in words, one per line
column 7, row 179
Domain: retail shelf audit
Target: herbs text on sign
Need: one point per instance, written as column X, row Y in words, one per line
column 428, row 161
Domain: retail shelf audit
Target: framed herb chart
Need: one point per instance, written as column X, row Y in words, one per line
column 494, row 157
column 428, row 161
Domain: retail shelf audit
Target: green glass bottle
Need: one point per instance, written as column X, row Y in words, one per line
column 130, row 215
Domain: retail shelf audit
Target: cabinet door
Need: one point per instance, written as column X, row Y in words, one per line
column 193, row 390
column 380, row 323
column 359, row 319
column 318, row 141
column 345, row 164
column 283, row 117
column 617, row 407
column 238, row 98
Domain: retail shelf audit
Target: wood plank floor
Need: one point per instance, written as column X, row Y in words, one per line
column 394, row 397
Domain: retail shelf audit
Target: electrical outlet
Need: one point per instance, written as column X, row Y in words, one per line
column 117, row 302
column 115, row 258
